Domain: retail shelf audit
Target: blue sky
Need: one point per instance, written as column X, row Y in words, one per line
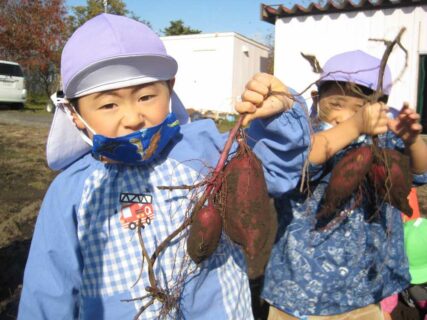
column 241, row 16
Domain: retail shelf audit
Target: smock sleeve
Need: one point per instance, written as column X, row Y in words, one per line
column 282, row 144
column 52, row 274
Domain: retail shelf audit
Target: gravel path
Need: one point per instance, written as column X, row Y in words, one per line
column 26, row 118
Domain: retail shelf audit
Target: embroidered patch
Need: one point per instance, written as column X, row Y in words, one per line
column 136, row 209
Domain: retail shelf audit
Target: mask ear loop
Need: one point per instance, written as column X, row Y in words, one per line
column 82, row 134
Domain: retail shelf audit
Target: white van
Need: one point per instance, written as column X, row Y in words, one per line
column 12, row 84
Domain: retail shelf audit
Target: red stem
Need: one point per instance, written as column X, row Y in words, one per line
column 224, row 156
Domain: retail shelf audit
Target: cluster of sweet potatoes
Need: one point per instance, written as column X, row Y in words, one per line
column 242, row 209
column 386, row 171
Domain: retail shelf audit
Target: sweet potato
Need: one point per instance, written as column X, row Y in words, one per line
column 346, row 177
column 249, row 218
column 390, row 176
column 205, row 232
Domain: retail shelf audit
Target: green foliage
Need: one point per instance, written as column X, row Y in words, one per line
column 177, row 27
column 224, row 125
column 33, row 32
column 36, row 103
column 270, row 62
column 94, row 7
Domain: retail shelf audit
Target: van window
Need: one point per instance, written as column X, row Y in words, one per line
column 10, row 70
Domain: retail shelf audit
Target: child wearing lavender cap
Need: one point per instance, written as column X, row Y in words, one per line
column 344, row 270
column 117, row 137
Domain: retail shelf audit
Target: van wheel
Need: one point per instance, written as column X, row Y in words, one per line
column 132, row 225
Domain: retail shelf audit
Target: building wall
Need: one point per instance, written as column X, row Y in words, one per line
column 326, row 35
column 205, row 65
column 212, row 68
column 249, row 58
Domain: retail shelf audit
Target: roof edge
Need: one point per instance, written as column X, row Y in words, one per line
column 270, row 13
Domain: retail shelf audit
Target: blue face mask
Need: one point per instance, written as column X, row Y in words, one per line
column 139, row 147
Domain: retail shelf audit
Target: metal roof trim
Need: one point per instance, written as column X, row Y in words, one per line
column 270, row 13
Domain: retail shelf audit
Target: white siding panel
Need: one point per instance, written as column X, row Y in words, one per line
column 249, row 59
column 204, row 73
column 213, row 68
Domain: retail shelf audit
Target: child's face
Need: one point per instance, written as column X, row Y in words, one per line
column 122, row 111
column 338, row 104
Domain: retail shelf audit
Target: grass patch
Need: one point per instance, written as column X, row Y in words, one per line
column 224, row 126
column 36, row 104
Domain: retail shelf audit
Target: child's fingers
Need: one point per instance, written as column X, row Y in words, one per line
column 416, row 128
column 265, row 79
column 406, row 120
column 405, row 106
column 414, row 116
column 258, row 86
column 252, row 97
column 245, row 107
column 271, row 106
column 383, row 120
column 381, row 126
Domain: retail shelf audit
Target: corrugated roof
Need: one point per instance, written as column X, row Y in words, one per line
column 270, row 13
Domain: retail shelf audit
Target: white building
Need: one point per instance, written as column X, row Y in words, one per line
column 213, row 68
column 334, row 28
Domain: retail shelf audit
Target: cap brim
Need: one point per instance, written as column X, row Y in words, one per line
column 65, row 143
column 120, row 72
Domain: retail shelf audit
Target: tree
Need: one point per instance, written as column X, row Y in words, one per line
column 94, row 7
column 177, row 27
column 33, row 33
column 270, row 60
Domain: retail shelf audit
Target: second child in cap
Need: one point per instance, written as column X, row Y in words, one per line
column 87, row 254
column 344, row 270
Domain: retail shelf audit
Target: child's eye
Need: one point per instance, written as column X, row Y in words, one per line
column 146, row 97
column 108, row 106
column 335, row 105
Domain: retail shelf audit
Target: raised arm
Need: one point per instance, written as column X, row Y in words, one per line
column 370, row 119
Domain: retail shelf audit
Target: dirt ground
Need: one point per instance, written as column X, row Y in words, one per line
column 24, row 178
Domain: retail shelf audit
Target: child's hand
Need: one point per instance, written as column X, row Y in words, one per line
column 406, row 125
column 372, row 118
column 264, row 96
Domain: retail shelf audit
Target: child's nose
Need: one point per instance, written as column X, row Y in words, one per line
column 133, row 119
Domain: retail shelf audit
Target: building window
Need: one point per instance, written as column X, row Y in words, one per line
column 422, row 91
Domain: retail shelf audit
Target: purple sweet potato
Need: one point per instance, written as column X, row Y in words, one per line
column 249, row 218
column 346, row 177
column 205, row 232
column 391, row 178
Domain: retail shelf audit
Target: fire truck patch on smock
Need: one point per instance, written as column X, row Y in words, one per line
column 137, row 209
